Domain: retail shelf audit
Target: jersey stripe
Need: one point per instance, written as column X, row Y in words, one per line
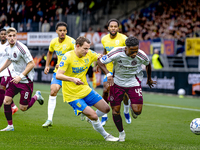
column 114, row 52
column 20, row 48
column 142, row 56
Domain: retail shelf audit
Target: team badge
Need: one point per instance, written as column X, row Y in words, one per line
column 64, row 58
column 14, row 55
column 111, row 98
column 61, row 64
column 134, row 62
column 64, row 46
column 117, row 42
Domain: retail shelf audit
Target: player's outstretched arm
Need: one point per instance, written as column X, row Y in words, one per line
column 60, row 76
column 150, row 82
column 49, row 57
column 5, row 65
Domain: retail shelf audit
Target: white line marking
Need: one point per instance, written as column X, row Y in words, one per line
column 173, row 107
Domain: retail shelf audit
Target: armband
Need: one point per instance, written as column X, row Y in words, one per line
column 21, row 76
column 108, row 74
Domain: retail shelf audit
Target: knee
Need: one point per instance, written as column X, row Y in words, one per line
column 93, row 117
column 53, row 92
column 107, row 109
column 22, row 108
column 115, row 112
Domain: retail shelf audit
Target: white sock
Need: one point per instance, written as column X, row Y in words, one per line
column 100, row 113
column 14, row 107
column 10, row 125
column 99, row 128
column 126, row 107
column 51, row 107
column 105, row 115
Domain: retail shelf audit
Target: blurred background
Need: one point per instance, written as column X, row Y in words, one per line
column 168, row 28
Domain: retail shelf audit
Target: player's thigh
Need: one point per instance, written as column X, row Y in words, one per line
column 26, row 90
column 125, row 99
column 102, row 106
column 116, row 95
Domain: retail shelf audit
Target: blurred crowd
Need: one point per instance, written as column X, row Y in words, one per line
column 48, row 12
column 169, row 19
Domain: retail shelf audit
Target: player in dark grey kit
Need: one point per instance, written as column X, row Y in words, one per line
column 128, row 75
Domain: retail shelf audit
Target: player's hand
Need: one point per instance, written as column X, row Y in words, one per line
column 151, row 83
column 46, row 70
column 101, row 55
column 78, row 81
column 16, row 79
column 57, row 66
column 110, row 81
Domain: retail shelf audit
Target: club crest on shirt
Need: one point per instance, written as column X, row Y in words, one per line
column 111, row 98
column 14, row 55
column 64, row 46
column 134, row 62
column 117, row 42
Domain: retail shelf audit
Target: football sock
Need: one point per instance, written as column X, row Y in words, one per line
column 8, row 113
column 13, row 105
column 105, row 115
column 32, row 101
column 118, row 122
column 51, row 107
column 126, row 107
column 99, row 113
column 2, row 94
column 99, row 128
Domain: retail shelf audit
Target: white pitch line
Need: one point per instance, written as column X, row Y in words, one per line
column 173, row 107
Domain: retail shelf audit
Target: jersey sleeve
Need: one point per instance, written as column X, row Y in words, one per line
column 111, row 56
column 144, row 57
column 94, row 55
column 124, row 40
column 64, row 63
column 27, row 56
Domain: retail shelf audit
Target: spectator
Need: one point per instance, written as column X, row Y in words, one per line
column 54, row 60
column 80, row 7
column 156, row 61
column 45, row 26
column 3, row 18
column 6, row 26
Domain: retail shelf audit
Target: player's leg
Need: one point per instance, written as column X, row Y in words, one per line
column 55, row 87
column 4, row 81
column 116, row 97
column 11, row 91
column 126, row 108
column 136, row 98
column 93, row 99
column 105, row 97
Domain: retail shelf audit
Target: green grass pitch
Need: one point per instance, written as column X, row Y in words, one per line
column 163, row 124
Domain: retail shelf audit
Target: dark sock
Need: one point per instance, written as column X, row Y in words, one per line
column 2, row 94
column 30, row 104
column 8, row 113
column 118, row 122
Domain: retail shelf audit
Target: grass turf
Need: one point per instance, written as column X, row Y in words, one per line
column 155, row 128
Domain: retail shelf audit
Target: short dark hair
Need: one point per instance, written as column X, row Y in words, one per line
column 113, row 20
column 132, row 41
column 81, row 39
column 61, row 24
column 2, row 29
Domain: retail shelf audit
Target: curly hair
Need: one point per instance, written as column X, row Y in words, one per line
column 132, row 41
column 113, row 20
column 61, row 24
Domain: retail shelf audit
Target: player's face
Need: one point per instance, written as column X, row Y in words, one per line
column 12, row 38
column 3, row 36
column 83, row 50
column 113, row 28
column 131, row 51
column 61, row 31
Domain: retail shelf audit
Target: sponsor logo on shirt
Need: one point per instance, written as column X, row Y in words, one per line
column 64, row 58
column 14, row 55
column 78, row 69
column 61, row 64
column 104, row 57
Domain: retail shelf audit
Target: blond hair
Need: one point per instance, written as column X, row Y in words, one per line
column 11, row 29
